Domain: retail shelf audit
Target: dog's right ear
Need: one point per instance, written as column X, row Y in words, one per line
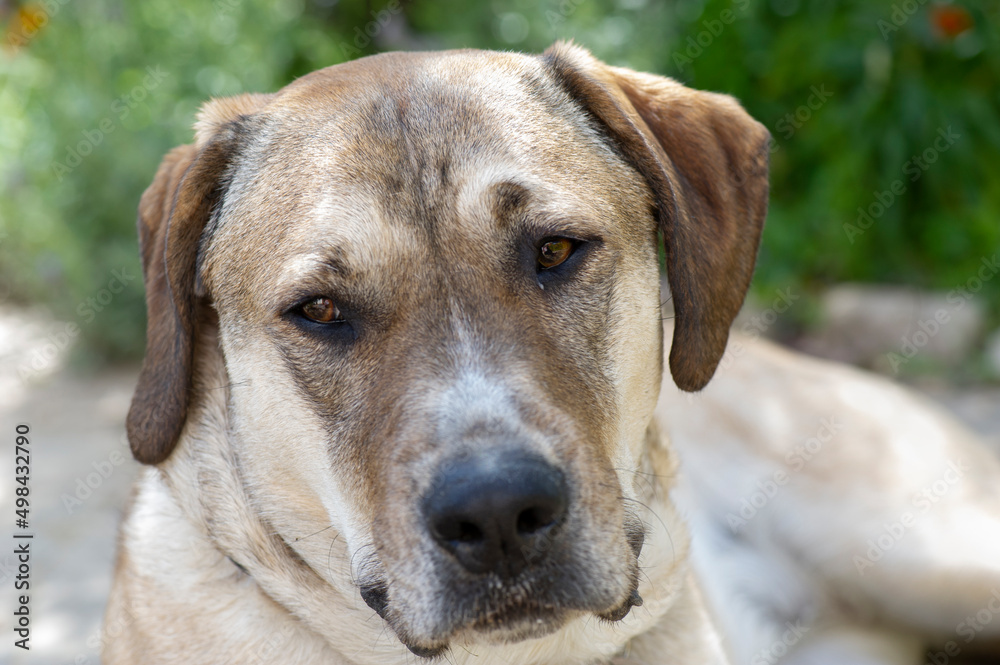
column 173, row 214
column 706, row 162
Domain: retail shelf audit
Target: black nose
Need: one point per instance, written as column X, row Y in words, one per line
column 496, row 512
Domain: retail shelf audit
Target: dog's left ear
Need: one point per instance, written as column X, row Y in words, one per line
column 706, row 161
column 173, row 214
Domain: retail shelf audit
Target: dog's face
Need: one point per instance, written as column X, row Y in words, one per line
column 436, row 286
column 456, row 305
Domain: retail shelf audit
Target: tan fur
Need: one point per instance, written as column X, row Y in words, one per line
column 767, row 411
column 289, row 459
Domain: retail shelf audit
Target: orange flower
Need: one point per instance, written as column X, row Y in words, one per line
column 25, row 24
column 950, row 20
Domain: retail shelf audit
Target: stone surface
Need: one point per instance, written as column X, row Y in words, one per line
column 993, row 353
column 81, row 471
column 892, row 328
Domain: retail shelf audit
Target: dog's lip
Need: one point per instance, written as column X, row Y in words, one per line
column 526, row 620
column 620, row 612
column 376, row 596
column 512, row 625
column 511, row 614
column 523, row 620
column 426, row 652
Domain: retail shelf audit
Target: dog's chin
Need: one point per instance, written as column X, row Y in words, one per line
column 507, row 623
column 513, row 624
column 506, row 626
column 491, row 611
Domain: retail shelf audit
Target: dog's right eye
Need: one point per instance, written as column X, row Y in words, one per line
column 321, row 310
column 554, row 251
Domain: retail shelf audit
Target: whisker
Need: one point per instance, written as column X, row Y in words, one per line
column 673, row 549
column 313, row 534
column 643, row 572
column 229, row 385
column 329, row 555
column 649, row 477
column 650, row 474
column 381, row 634
column 358, row 551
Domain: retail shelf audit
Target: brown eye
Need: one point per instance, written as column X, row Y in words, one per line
column 321, row 310
column 554, row 251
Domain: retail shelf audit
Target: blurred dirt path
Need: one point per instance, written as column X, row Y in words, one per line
column 81, row 471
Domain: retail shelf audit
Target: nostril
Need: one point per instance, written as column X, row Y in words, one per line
column 492, row 511
column 469, row 533
column 533, row 520
column 454, row 529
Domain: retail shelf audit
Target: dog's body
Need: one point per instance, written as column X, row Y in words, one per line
column 403, row 359
column 870, row 519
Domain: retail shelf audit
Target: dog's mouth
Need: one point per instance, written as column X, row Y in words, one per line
column 376, row 596
column 501, row 611
column 504, row 622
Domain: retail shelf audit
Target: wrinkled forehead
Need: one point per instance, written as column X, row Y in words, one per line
column 411, row 147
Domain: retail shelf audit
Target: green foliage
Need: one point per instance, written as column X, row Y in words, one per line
column 891, row 103
column 122, row 81
column 89, row 105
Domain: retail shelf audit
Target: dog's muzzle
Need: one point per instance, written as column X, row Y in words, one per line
column 502, row 531
column 498, row 513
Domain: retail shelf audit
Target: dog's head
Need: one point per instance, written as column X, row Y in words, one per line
column 435, row 281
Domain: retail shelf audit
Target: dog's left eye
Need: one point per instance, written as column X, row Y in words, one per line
column 554, row 251
column 321, row 310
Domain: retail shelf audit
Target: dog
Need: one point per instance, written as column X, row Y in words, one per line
column 403, row 395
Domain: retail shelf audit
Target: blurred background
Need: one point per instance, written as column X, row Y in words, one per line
column 880, row 249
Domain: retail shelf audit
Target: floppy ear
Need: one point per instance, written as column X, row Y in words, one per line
column 173, row 213
column 706, row 161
